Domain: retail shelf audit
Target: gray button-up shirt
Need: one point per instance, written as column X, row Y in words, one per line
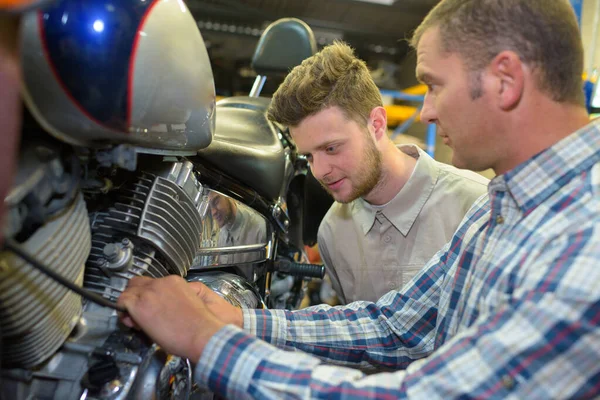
column 369, row 250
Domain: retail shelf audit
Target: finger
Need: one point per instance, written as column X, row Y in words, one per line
column 128, row 321
column 198, row 287
column 206, row 294
column 125, row 300
column 122, row 299
column 139, row 281
column 129, row 298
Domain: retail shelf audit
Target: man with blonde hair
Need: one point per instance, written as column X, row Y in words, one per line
column 510, row 308
column 395, row 206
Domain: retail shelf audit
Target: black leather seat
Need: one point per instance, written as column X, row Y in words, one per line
column 283, row 45
column 246, row 145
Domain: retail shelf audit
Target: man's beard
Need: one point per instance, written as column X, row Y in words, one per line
column 366, row 177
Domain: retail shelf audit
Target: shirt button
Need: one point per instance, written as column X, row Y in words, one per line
column 508, row 382
column 499, row 219
column 387, row 239
column 391, row 285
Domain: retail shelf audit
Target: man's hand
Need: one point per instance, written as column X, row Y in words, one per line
column 221, row 308
column 179, row 316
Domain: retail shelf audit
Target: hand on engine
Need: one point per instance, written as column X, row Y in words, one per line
column 173, row 313
column 222, row 309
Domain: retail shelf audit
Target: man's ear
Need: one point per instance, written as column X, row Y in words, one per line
column 378, row 122
column 508, row 72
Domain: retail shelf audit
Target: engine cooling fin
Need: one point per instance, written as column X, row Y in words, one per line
column 172, row 223
column 36, row 313
column 160, row 219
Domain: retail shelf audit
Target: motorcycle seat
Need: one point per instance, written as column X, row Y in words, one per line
column 246, row 146
column 283, row 45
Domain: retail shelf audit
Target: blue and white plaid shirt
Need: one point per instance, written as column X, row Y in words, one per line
column 510, row 308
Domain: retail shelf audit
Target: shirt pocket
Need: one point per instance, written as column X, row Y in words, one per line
column 408, row 272
column 395, row 277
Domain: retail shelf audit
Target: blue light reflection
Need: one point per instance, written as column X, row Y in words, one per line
column 98, row 25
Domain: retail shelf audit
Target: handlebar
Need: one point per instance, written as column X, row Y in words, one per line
column 297, row 269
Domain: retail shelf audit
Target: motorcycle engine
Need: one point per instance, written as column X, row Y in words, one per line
column 97, row 232
column 100, row 211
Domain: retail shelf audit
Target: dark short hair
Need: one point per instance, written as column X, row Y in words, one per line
column 544, row 33
column 332, row 77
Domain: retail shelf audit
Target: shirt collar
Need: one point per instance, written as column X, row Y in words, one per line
column 532, row 182
column 403, row 209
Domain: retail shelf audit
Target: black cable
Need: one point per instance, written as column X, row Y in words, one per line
column 12, row 246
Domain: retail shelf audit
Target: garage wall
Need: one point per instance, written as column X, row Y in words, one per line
column 592, row 55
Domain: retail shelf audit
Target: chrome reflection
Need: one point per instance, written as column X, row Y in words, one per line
column 233, row 233
column 233, row 288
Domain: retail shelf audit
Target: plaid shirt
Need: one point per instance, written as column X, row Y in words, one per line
column 510, row 308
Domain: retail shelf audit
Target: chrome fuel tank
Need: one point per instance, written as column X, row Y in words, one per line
column 96, row 74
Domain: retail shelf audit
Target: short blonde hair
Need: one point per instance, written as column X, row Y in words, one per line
column 332, row 77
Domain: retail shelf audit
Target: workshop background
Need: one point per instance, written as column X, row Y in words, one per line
column 377, row 29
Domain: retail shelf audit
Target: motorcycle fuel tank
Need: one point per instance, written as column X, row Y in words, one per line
column 98, row 74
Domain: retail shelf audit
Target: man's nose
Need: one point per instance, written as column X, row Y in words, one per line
column 319, row 167
column 428, row 112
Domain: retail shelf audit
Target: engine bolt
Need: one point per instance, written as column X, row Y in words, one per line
column 112, row 252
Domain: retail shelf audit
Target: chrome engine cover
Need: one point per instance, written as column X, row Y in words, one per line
column 233, row 288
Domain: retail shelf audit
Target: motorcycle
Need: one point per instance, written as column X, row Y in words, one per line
column 138, row 179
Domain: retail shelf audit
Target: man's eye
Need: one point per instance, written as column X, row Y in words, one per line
column 431, row 87
column 330, row 149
